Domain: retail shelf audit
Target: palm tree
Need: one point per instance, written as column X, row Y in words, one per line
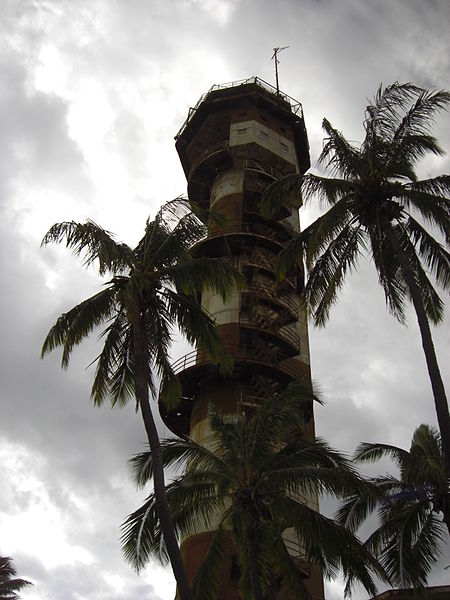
column 151, row 287
column 374, row 197
column 410, row 507
column 9, row 586
column 259, row 479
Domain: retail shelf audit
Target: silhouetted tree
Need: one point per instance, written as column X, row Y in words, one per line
column 256, row 479
column 374, row 196
column 152, row 287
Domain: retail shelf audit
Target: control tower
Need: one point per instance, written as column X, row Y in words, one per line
column 237, row 140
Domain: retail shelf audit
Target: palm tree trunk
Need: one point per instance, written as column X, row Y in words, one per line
column 253, row 558
column 141, row 379
column 446, row 519
column 440, row 398
column 445, row 509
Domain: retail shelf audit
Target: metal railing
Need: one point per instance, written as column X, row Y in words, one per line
column 240, row 354
column 286, row 333
column 259, row 259
column 280, row 235
column 208, row 153
column 295, row 105
column 270, row 292
column 259, row 167
column 268, row 261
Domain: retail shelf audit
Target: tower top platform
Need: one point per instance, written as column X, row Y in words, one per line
column 228, row 102
column 245, row 85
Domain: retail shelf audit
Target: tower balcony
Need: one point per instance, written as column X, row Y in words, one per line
column 284, row 338
column 261, row 260
column 272, row 296
column 244, row 86
column 195, row 371
column 276, row 231
column 209, row 120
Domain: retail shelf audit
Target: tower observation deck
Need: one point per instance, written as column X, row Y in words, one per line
column 237, row 140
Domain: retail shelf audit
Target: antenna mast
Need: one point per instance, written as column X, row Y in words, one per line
column 276, row 51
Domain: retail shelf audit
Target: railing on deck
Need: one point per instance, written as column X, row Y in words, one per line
column 240, row 354
column 295, row 105
column 280, row 235
column 270, row 292
column 286, row 333
column 208, row 153
column 259, row 167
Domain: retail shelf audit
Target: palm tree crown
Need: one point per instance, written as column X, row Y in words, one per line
column 155, row 285
column 259, row 479
column 151, row 288
column 410, row 507
column 9, row 584
column 374, row 197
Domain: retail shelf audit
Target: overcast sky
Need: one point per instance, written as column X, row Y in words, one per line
column 91, row 95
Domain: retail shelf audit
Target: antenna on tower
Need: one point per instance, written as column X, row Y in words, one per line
column 276, row 52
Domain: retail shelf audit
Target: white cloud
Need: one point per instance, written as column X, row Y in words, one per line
column 34, row 511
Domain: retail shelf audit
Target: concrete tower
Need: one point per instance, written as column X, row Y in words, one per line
column 239, row 138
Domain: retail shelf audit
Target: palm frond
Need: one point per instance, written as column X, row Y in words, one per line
column 176, row 244
column 328, row 190
column 9, row 583
column 312, row 241
column 287, row 572
column 327, row 275
column 409, row 540
column 437, row 187
column 205, row 460
column 434, row 255
column 338, row 154
column 435, row 209
column 428, row 440
column 158, row 336
column 326, row 228
column 371, row 452
column 72, row 327
column 331, row 546
column 389, row 272
column 286, row 192
column 141, row 468
column 418, row 119
column 432, row 303
column 384, row 115
column 356, row 508
column 409, row 151
column 96, row 243
column 426, row 462
column 203, row 273
column 141, row 536
column 121, row 382
column 198, row 326
column 277, row 418
column 114, row 351
column 211, row 573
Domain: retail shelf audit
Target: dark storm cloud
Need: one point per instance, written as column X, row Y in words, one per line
column 79, row 453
